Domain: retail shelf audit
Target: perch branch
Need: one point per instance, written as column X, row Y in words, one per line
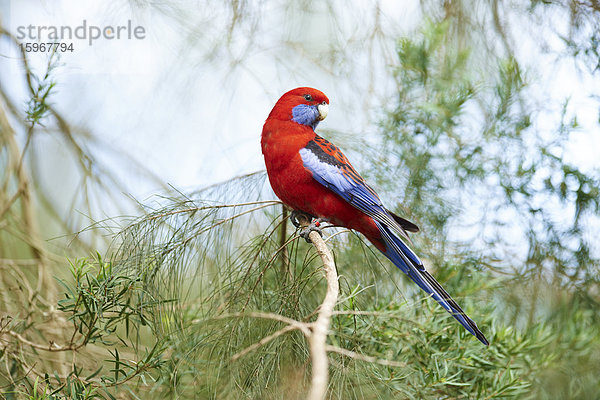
column 318, row 338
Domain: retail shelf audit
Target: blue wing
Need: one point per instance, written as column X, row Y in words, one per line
column 331, row 168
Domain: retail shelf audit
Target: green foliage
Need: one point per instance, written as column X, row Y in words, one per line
column 450, row 161
column 100, row 300
column 505, row 164
column 226, row 299
column 108, row 312
column 224, row 305
column 582, row 42
column 38, row 108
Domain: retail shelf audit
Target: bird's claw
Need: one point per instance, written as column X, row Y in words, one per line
column 315, row 226
column 295, row 215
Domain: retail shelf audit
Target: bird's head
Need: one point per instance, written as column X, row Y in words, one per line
column 303, row 105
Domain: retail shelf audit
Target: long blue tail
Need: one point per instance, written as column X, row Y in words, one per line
column 405, row 259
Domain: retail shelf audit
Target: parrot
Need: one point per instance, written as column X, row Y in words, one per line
column 313, row 177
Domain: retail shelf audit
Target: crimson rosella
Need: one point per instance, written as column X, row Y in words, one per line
column 312, row 176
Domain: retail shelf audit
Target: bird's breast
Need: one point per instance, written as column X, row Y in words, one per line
column 295, row 185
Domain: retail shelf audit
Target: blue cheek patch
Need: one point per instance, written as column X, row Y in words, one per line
column 306, row 115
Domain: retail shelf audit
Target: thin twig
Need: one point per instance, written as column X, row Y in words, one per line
column 362, row 357
column 275, row 317
column 194, row 209
column 285, row 271
column 10, row 202
column 28, row 220
column 51, row 346
column 267, row 265
column 263, row 341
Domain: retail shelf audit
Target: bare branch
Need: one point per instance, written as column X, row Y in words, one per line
column 363, row 357
column 303, row 326
column 263, row 341
column 51, row 346
column 318, row 338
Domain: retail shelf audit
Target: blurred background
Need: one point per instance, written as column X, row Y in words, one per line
column 480, row 120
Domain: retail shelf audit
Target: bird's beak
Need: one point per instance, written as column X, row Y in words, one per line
column 323, row 110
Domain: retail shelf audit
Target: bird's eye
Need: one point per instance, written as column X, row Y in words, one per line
column 324, row 103
column 308, row 97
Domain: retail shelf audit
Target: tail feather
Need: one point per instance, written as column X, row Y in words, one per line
column 405, row 259
column 404, row 223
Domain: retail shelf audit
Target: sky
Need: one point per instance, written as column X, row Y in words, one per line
column 175, row 103
column 191, row 109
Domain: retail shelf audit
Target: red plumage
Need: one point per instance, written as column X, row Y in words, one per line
column 281, row 142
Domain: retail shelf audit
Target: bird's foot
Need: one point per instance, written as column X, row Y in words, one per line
column 296, row 216
column 315, row 226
